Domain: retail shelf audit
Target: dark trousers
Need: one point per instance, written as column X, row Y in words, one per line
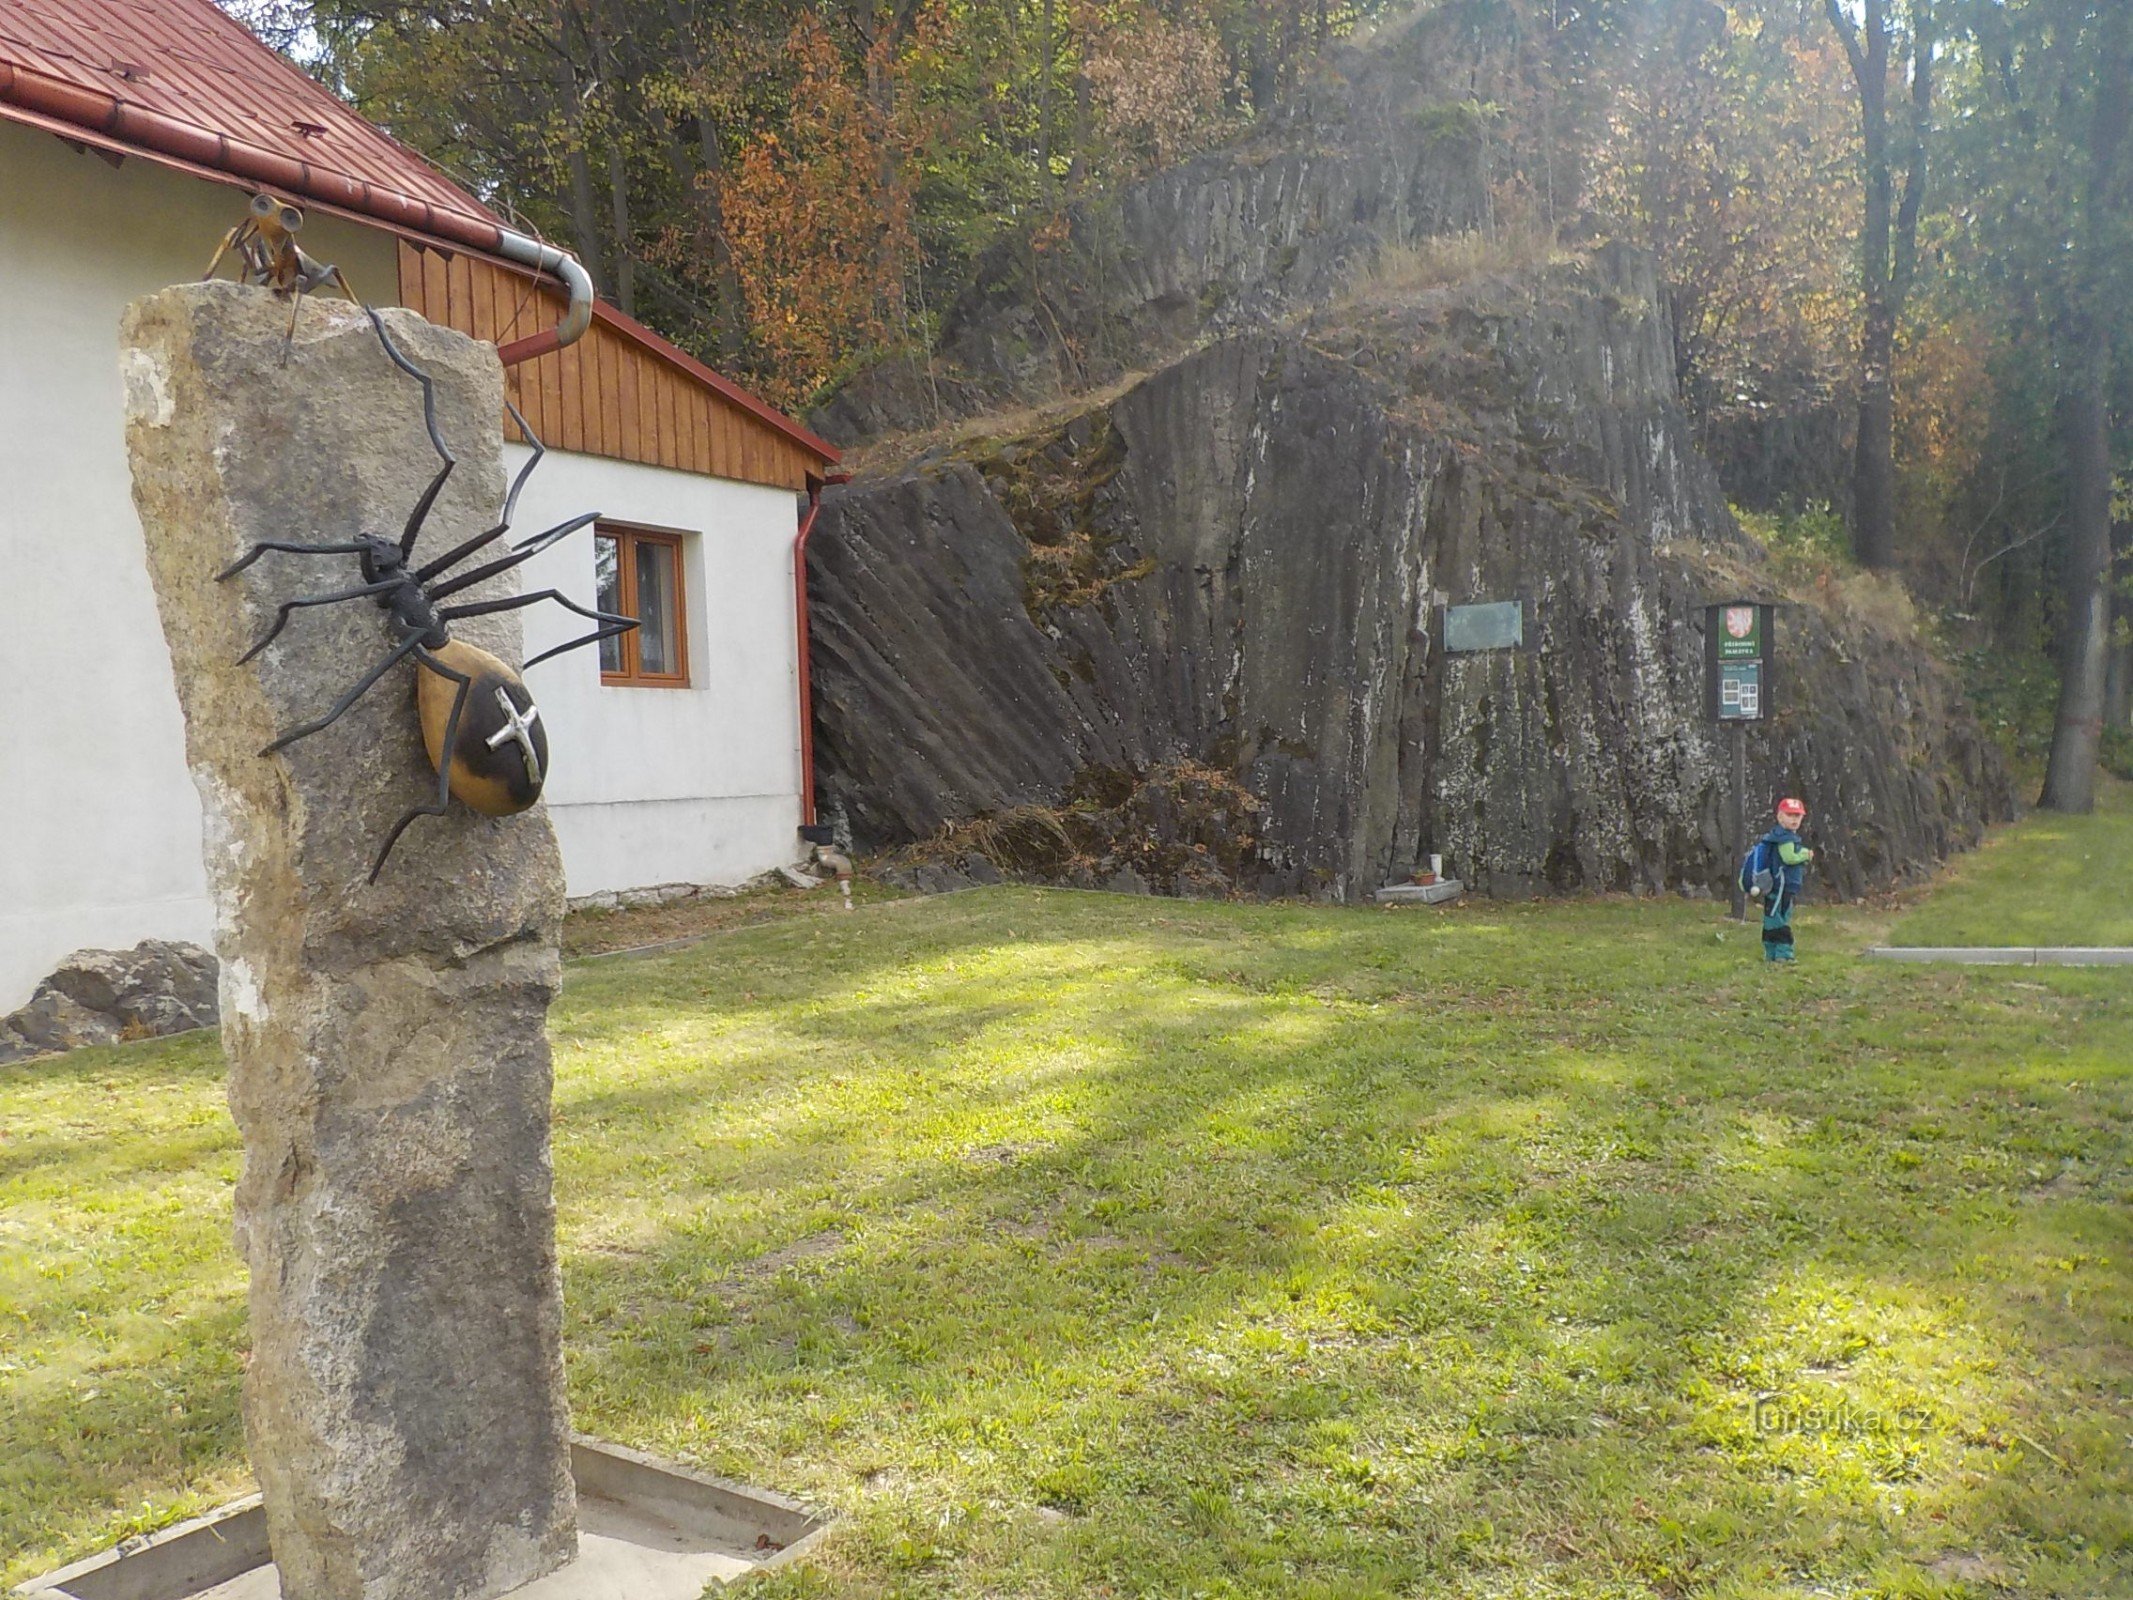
column 1777, row 925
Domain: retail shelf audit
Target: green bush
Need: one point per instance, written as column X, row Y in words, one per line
column 1803, row 543
column 2118, row 752
column 2016, row 696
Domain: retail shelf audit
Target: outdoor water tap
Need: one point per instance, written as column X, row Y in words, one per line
column 831, row 859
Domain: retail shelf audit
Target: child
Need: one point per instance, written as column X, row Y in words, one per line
column 1788, row 872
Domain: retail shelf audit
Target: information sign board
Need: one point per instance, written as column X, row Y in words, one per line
column 1499, row 625
column 1740, row 691
column 1738, row 654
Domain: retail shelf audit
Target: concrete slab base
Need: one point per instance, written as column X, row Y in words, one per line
column 648, row 1530
column 2012, row 955
column 1426, row 894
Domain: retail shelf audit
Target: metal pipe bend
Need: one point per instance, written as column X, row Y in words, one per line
column 577, row 316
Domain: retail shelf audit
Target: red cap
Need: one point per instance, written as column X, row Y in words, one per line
column 1789, row 807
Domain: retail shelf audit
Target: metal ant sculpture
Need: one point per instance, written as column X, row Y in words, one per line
column 479, row 722
column 265, row 245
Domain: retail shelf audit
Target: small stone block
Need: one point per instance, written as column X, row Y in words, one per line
column 1423, row 894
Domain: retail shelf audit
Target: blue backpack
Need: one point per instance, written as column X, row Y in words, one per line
column 1761, row 871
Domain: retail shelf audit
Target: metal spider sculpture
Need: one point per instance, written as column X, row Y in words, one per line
column 479, row 721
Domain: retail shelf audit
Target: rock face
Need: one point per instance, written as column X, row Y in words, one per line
column 108, row 996
column 1367, row 156
column 1239, row 562
column 389, row 1063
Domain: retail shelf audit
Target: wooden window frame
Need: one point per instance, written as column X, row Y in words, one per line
column 627, row 536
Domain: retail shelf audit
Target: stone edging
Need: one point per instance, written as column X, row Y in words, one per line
column 2015, row 955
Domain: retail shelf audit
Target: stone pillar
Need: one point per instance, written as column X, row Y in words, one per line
column 388, row 1051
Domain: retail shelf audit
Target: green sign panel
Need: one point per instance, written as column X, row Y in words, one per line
column 1738, row 646
column 1500, row 625
column 1740, row 633
column 1740, row 691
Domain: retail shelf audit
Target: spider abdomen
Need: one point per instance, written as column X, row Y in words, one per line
column 499, row 757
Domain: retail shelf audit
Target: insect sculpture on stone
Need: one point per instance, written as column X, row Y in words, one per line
column 479, row 722
column 269, row 257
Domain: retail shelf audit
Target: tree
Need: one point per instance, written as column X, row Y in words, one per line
column 1726, row 151
column 820, row 219
column 2095, row 326
column 2048, row 227
column 1888, row 246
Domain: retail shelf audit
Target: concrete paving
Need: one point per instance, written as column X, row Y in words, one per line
column 2012, row 955
column 623, row 1554
column 647, row 1530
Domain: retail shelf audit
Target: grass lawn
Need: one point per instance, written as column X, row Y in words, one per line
column 1074, row 1245
column 2048, row 879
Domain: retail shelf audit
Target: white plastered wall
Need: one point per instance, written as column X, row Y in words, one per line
column 99, row 825
column 670, row 785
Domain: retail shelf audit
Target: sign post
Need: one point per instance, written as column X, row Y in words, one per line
column 1737, row 635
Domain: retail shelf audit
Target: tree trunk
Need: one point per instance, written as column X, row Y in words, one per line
column 2118, row 668
column 733, row 327
column 2070, row 775
column 707, row 193
column 622, row 233
column 584, row 208
column 1874, row 455
column 2085, row 414
column 618, row 195
column 1045, row 50
column 2118, row 686
column 1873, row 465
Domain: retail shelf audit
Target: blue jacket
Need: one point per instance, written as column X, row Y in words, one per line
column 1792, row 853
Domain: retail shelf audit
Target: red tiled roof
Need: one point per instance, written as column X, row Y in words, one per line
column 182, row 81
column 184, row 84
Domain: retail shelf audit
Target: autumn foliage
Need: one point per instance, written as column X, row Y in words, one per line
column 820, row 218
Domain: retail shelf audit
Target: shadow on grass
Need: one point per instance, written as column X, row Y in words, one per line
column 1071, row 1244
column 1254, row 1253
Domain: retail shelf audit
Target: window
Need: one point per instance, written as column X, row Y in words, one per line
column 639, row 575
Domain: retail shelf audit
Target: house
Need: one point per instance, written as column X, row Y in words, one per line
column 131, row 133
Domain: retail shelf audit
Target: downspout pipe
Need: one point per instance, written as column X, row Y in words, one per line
column 811, row 831
column 577, row 316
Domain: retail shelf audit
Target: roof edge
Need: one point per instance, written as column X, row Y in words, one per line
column 637, row 333
column 67, row 111
column 114, row 123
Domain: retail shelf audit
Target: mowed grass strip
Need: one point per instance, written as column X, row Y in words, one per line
column 2048, row 879
column 1072, row 1245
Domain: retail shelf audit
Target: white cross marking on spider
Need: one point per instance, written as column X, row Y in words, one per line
column 520, row 727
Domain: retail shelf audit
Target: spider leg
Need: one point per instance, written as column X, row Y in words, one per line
column 460, row 552
column 281, row 615
column 429, row 421
column 393, row 658
column 265, row 545
column 541, row 541
column 444, row 766
column 452, row 558
column 525, row 472
column 524, row 550
column 611, row 623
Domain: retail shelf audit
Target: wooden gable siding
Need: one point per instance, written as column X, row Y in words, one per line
column 604, row 395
